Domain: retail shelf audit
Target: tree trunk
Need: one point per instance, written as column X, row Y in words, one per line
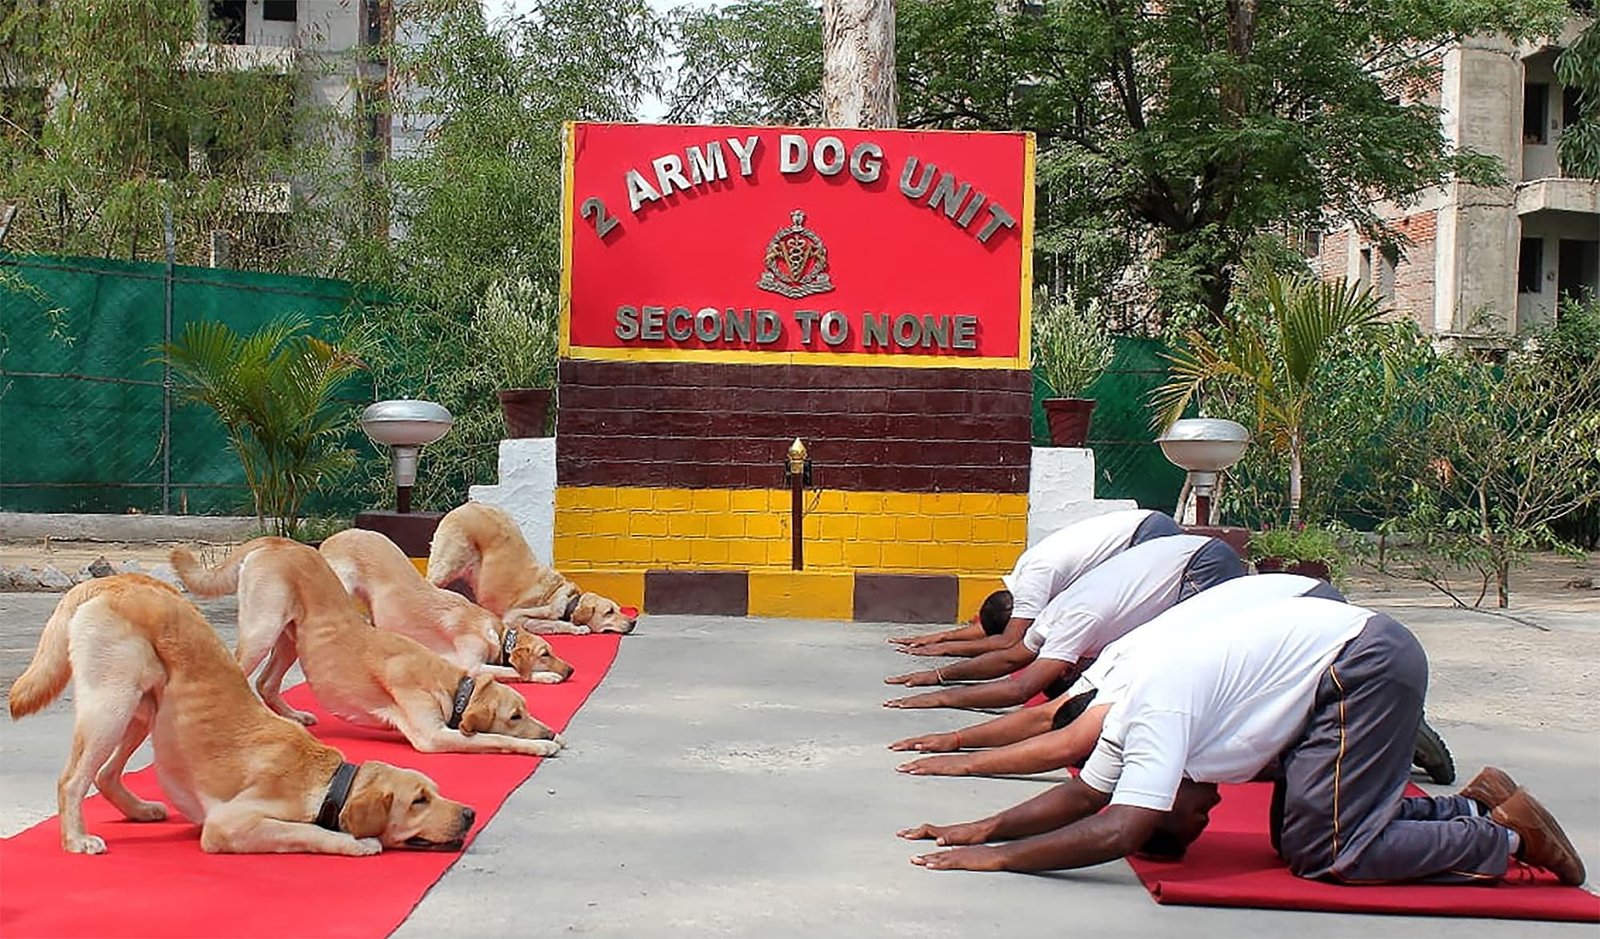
column 858, row 81
column 1294, row 481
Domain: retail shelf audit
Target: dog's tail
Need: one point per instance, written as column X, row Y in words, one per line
column 216, row 581
column 51, row 667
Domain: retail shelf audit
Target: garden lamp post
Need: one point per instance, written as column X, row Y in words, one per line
column 405, row 426
column 1205, row 446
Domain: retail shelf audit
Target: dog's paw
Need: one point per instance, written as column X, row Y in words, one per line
column 148, row 812
column 84, row 844
column 367, row 847
column 545, row 678
column 544, row 747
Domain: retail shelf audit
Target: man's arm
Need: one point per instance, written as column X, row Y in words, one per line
column 988, row 665
column 1046, row 752
column 969, row 630
column 971, row 647
column 991, row 694
column 996, row 732
column 1048, row 811
column 1115, row 833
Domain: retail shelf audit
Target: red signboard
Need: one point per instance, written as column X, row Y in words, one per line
column 804, row 245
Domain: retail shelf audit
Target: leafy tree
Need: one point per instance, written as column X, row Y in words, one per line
column 721, row 81
column 481, row 204
column 1185, row 131
column 1511, row 449
column 1578, row 67
column 111, row 117
column 274, row 393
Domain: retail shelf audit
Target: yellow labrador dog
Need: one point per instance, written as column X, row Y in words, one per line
column 291, row 605
column 144, row 662
column 375, row 571
column 479, row 547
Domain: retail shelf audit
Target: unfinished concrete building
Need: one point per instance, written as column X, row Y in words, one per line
column 1480, row 262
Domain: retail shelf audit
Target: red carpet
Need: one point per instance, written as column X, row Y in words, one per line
column 154, row 880
column 1233, row 864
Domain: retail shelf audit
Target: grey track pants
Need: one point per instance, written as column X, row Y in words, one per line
column 1340, row 808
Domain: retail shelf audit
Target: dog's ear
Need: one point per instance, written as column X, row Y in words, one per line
column 479, row 715
column 522, row 657
column 588, row 606
column 366, row 814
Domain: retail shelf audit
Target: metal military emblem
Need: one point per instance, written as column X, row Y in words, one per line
column 796, row 262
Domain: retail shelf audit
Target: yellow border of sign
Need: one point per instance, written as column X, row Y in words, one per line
column 569, row 138
column 1022, row 361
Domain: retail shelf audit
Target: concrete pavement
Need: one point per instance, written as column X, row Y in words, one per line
column 730, row 778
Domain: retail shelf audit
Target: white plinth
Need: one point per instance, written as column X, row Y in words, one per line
column 527, row 490
column 1061, row 491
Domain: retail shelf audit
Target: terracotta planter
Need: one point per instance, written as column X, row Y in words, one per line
column 526, row 410
column 1069, row 420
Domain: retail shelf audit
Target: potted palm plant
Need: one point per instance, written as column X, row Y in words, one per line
column 275, row 392
column 1272, row 355
column 1071, row 350
column 518, row 325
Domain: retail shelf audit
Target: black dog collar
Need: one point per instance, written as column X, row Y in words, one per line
column 463, row 695
column 572, row 607
column 508, row 641
column 338, row 792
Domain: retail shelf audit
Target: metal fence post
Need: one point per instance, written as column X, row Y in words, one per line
column 166, row 366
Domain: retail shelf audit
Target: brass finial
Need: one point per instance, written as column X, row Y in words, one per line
column 797, row 456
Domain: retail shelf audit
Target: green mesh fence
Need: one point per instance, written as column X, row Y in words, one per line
column 81, row 399
column 1128, row 462
column 82, row 409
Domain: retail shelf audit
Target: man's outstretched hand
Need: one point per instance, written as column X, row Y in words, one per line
column 920, row 679
column 928, row 743
column 928, row 699
column 953, row 765
column 946, row 835
column 979, row 858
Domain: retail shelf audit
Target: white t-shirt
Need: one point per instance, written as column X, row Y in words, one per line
column 1046, row 569
column 1107, row 603
column 1213, row 605
column 1219, row 704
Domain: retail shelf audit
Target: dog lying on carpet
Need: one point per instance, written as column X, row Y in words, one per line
column 291, row 605
column 377, row 573
column 144, row 662
column 479, row 547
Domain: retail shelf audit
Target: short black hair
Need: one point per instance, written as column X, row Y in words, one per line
column 995, row 612
column 1073, row 708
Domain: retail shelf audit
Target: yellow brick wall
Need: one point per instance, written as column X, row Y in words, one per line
column 899, row 532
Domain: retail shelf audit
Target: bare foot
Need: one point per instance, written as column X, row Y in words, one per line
column 945, row 835
column 936, row 766
column 927, row 743
column 981, row 858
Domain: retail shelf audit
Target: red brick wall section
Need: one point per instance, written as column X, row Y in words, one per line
column 1330, row 262
column 694, row 425
column 1413, row 276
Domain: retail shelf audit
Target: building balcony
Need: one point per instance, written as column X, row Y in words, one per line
column 227, row 57
column 261, row 198
column 1558, row 194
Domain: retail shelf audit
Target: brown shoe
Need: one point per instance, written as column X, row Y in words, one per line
column 1544, row 844
column 1490, row 787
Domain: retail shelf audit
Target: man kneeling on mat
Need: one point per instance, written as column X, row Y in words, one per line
column 1334, row 693
column 1099, row 608
column 1039, row 575
column 1062, row 732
